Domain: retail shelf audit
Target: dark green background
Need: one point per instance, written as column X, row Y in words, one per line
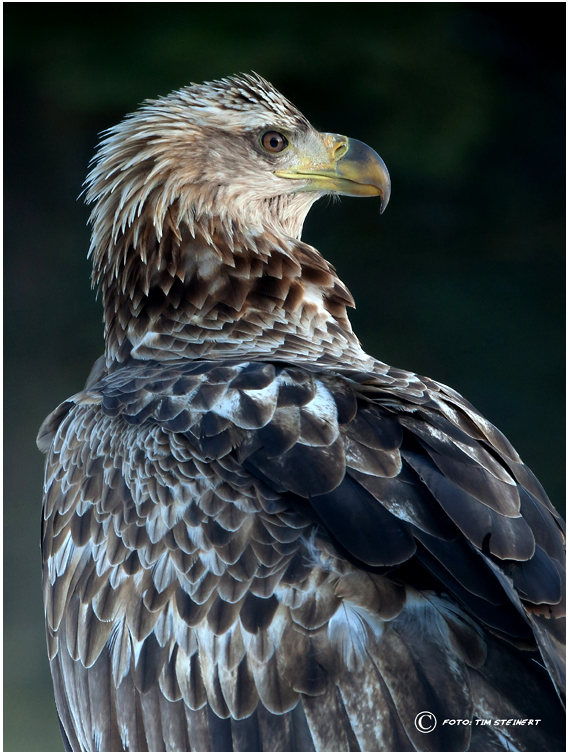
column 461, row 279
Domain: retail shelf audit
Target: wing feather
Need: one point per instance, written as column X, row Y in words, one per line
column 249, row 556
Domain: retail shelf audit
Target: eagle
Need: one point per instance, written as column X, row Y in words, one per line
column 256, row 536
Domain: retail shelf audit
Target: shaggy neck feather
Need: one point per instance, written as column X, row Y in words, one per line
column 205, row 287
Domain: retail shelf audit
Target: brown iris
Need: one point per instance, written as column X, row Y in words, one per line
column 273, row 141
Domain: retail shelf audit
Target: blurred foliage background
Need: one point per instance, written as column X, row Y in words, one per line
column 461, row 279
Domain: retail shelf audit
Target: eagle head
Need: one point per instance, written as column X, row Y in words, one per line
column 234, row 149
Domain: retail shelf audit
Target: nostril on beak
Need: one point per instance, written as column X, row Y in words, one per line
column 340, row 150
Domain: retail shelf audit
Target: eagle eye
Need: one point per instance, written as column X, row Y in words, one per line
column 273, row 141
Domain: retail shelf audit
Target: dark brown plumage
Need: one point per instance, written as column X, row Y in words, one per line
column 255, row 535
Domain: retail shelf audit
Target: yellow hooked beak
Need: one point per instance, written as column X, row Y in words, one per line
column 351, row 168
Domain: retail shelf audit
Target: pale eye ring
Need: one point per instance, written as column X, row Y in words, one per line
column 273, row 141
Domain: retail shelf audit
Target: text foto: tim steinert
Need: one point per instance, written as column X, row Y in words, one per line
column 490, row 722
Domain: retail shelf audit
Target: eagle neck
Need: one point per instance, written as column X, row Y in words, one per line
column 213, row 290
